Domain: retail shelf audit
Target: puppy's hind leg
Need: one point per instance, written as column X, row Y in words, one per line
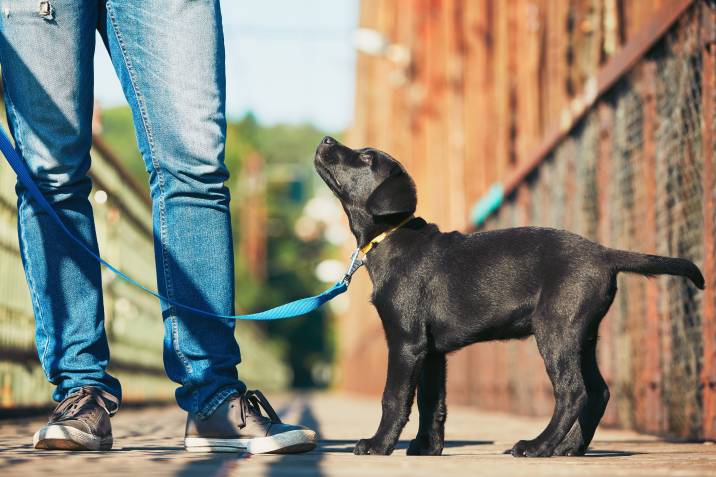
column 578, row 439
column 431, row 404
column 562, row 355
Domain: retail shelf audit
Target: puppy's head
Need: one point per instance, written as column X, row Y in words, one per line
column 374, row 189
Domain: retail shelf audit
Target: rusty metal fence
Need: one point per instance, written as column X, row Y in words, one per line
column 632, row 174
column 620, row 150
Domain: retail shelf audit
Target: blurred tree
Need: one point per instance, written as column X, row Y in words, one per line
column 286, row 152
column 118, row 133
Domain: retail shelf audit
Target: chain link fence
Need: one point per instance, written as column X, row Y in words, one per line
column 631, row 176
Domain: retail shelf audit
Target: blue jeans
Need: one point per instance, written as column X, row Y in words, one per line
column 169, row 56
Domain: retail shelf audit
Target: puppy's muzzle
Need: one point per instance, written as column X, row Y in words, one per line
column 323, row 152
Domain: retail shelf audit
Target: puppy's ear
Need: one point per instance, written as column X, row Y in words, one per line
column 395, row 195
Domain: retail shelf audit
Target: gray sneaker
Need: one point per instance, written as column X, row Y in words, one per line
column 239, row 426
column 79, row 422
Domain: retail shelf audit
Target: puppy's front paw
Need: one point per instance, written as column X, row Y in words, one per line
column 530, row 449
column 422, row 446
column 569, row 447
column 370, row 447
column 362, row 447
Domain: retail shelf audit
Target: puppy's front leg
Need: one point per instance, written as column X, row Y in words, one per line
column 404, row 364
column 431, row 404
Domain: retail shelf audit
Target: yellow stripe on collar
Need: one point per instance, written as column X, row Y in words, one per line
column 367, row 247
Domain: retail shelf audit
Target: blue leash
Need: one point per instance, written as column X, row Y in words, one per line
column 289, row 310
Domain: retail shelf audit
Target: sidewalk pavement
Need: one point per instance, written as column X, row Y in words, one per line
column 148, row 442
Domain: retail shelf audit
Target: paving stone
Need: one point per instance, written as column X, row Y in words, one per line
column 149, row 442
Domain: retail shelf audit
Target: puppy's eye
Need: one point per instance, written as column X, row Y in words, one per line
column 366, row 157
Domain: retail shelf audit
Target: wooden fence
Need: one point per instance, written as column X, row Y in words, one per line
column 595, row 116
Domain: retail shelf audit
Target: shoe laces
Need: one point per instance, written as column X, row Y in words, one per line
column 73, row 403
column 252, row 402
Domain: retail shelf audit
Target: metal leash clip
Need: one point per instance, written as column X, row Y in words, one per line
column 355, row 264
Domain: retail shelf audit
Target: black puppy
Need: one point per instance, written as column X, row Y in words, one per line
column 437, row 292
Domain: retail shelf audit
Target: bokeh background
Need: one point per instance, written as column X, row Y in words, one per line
column 290, row 72
column 595, row 116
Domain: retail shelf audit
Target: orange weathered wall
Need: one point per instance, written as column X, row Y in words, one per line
column 486, row 82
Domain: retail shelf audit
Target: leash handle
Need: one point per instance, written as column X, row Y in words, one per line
column 288, row 310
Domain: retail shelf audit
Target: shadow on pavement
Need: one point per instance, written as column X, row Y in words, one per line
column 346, row 445
column 311, row 462
column 610, row 453
column 591, row 453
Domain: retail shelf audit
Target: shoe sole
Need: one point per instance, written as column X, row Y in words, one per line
column 289, row 442
column 59, row 437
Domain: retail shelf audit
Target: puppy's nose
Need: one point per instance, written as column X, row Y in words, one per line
column 328, row 140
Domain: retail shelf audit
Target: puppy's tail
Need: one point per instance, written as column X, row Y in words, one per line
column 624, row 261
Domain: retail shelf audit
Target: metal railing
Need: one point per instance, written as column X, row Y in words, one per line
column 122, row 212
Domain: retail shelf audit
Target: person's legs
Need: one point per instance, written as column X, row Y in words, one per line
column 47, row 74
column 169, row 57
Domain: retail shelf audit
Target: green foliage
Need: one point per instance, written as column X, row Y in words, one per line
column 118, row 133
column 287, row 153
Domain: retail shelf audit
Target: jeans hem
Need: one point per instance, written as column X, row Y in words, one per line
column 217, row 401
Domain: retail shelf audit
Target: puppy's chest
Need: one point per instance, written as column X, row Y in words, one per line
column 400, row 294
